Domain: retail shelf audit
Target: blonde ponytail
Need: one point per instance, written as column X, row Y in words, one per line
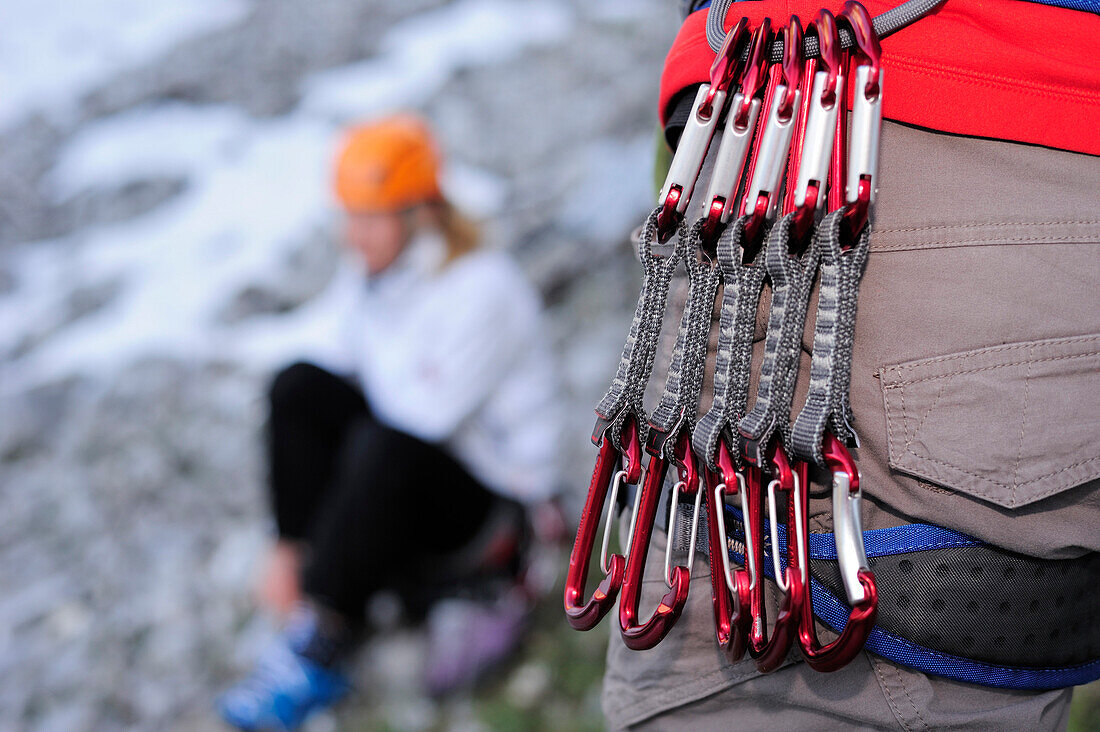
column 462, row 233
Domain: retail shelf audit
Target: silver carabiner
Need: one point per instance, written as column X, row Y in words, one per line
column 866, row 130
column 771, row 159
column 683, row 172
column 750, row 554
column 848, row 534
column 673, row 516
column 817, row 146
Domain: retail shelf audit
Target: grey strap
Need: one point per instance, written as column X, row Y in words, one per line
column 624, row 396
column 827, row 405
column 741, row 288
column 885, row 24
column 791, row 278
column 684, row 382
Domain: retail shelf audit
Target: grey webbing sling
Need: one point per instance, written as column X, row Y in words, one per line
column 742, row 287
column 827, row 404
column 885, row 24
column 624, row 396
column 791, row 278
column 684, row 382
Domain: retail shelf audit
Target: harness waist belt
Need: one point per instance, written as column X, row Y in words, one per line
column 951, row 605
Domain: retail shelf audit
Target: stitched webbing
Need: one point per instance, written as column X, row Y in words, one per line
column 624, row 396
column 791, row 278
column 831, row 366
column 684, row 382
column 742, row 286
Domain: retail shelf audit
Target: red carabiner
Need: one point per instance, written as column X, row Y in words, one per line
column 791, row 65
column 725, row 68
column 756, row 71
column 753, row 73
column 640, row 637
column 867, row 45
column 730, row 589
column 770, row 652
column 831, row 56
column 787, row 74
column 586, row 614
column 824, row 25
column 861, row 617
column 869, row 53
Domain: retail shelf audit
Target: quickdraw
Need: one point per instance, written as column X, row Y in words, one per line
column 620, row 418
column 669, row 444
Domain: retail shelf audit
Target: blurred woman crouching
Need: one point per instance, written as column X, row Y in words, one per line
column 386, row 473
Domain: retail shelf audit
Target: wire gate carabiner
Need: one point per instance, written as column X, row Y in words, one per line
column 641, row 636
column 731, row 589
column 614, row 465
column 770, row 652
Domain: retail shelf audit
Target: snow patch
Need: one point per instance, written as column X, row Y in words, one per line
column 53, row 51
column 419, row 55
column 167, row 140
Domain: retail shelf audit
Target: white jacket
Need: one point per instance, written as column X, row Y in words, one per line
column 457, row 355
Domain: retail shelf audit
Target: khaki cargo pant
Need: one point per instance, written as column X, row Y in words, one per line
column 977, row 399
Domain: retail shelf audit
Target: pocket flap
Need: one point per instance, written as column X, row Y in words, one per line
column 1010, row 424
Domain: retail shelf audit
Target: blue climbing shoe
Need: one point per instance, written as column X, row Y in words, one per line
column 285, row 688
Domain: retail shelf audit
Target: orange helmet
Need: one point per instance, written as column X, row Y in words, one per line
column 388, row 165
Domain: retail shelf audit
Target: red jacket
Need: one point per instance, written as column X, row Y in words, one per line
column 1004, row 69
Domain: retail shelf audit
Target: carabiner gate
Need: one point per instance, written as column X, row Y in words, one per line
column 733, row 150
column 731, row 589
column 814, row 147
column 586, row 614
column 769, row 159
column 770, row 652
column 862, row 161
column 640, row 637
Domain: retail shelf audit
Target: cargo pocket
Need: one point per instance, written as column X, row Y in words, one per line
column 1009, row 424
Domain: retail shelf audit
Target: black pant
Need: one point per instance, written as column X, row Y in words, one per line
column 372, row 504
